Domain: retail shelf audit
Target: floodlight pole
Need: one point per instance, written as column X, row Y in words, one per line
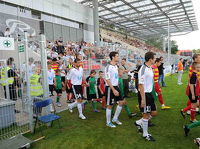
column 96, row 22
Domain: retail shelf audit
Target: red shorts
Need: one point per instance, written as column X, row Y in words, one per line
column 157, row 87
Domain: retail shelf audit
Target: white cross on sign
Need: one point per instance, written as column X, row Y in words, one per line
column 7, row 43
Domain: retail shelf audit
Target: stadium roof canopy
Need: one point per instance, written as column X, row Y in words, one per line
column 147, row 18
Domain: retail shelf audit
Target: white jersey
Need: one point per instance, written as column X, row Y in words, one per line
column 76, row 76
column 51, row 76
column 111, row 73
column 145, row 76
column 62, row 69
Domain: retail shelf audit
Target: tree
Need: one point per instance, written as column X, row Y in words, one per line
column 174, row 47
column 196, row 51
column 156, row 42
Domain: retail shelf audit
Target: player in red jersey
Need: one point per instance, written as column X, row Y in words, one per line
column 196, row 58
column 156, row 84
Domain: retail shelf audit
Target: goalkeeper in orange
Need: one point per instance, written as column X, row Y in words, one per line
column 156, row 84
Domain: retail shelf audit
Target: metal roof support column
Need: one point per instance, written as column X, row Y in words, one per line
column 169, row 47
column 96, row 22
column 164, row 43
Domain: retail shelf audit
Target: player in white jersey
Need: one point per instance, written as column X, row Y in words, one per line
column 145, row 97
column 112, row 92
column 76, row 77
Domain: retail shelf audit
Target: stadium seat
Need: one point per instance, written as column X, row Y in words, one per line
column 49, row 118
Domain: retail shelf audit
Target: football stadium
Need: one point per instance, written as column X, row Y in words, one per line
column 94, row 74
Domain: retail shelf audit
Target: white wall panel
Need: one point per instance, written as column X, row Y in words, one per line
column 65, row 8
column 38, row 5
column 48, row 6
column 27, row 3
column 88, row 36
column 8, row 9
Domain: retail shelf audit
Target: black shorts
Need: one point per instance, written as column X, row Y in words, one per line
column 78, row 92
column 92, row 96
column 51, row 87
column 59, row 91
column 69, row 90
column 193, row 101
column 100, row 95
column 63, row 79
column 110, row 97
column 150, row 104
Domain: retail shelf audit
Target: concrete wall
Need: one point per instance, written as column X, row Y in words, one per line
column 62, row 14
column 64, row 8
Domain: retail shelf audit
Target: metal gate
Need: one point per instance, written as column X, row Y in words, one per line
column 16, row 103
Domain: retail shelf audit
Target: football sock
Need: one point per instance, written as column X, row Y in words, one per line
column 160, row 98
column 108, row 115
column 94, row 104
column 192, row 125
column 188, row 102
column 73, row 105
column 85, row 102
column 193, row 112
column 58, row 99
column 79, row 106
column 112, row 110
column 145, row 127
column 127, row 109
column 139, row 122
column 187, row 108
column 103, row 104
column 117, row 112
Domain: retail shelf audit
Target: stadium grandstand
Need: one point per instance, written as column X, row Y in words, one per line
column 43, row 41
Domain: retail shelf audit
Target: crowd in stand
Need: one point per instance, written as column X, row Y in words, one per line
column 135, row 42
column 82, row 50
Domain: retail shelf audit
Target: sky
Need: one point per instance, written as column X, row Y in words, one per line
column 192, row 40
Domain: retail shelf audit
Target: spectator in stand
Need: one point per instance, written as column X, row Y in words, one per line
column 132, row 41
column 7, row 32
column 161, row 73
column 60, row 48
column 52, row 53
column 69, row 54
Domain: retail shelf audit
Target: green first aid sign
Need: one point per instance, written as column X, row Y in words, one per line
column 7, row 43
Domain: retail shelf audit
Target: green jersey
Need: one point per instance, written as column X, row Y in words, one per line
column 92, row 85
column 58, row 82
column 121, row 86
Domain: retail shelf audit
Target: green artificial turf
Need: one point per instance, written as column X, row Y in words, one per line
column 93, row 133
